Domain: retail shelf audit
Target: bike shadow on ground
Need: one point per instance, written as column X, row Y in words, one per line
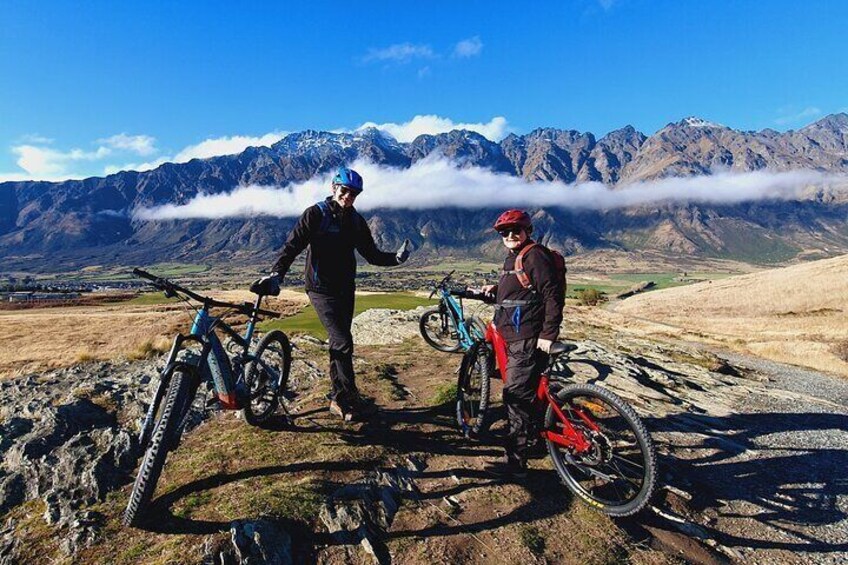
column 792, row 489
column 304, row 539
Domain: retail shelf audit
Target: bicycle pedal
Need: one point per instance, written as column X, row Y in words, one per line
column 212, row 403
column 289, row 395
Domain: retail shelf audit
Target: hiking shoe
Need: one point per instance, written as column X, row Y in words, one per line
column 357, row 408
column 338, row 410
column 507, row 471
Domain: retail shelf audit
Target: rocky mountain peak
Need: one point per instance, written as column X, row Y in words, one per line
column 696, row 122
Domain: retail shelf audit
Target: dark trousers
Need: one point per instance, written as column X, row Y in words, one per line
column 336, row 314
column 524, row 367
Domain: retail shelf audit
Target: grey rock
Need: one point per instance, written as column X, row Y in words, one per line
column 62, row 442
column 260, row 541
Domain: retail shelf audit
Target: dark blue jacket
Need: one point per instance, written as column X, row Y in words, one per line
column 330, row 261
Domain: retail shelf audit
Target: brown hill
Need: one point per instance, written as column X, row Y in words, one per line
column 795, row 314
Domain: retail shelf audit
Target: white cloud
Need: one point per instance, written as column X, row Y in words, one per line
column 607, row 4
column 470, row 47
column 399, row 53
column 789, row 117
column 207, row 148
column 47, row 163
column 448, row 185
column 495, row 130
column 226, row 146
column 141, row 144
column 424, row 72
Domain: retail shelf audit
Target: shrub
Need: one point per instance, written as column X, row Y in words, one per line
column 532, row 539
column 149, row 348
column 589, row 296
column 841, row 350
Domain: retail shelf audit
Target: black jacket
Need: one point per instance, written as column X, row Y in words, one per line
column 330, row 262
column 529, row 313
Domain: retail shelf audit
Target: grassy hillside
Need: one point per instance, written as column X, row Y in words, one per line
column 795, row 314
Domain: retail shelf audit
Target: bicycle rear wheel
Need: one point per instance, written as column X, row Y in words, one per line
column 472, row 389
column 438, row 330
column 267, row 377
column 617, row 474
column 177, row 401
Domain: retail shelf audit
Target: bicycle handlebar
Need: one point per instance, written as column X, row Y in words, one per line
column 167, row 286
column 473, row 295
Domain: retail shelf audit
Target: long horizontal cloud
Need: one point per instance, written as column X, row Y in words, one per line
column 439, row 183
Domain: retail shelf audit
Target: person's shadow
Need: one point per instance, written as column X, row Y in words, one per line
column 795, row 489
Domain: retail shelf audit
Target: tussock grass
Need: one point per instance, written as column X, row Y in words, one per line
column 36, row 339
column 150, row 348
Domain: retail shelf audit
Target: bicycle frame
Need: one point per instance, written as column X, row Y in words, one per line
column 455, row 310
column 212, row 365
column 570, row 437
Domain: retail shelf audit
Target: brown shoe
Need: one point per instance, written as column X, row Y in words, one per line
column 338, row 410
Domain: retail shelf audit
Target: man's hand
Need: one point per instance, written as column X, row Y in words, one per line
column 267, row 286
column 544, row 345
column 489, row 289
column 403, row 251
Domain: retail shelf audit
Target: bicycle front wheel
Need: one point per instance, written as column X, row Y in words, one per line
column 438, row 330
column 267, row 377
column 472, row 389
column 165, row 435
column 617, row 474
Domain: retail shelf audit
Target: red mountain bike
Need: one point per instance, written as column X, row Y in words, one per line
column 599, row 446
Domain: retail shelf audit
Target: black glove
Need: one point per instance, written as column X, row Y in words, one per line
column 267, row 286
column 403, row 251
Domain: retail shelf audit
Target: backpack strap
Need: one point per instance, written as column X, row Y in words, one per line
column 326, row 218
column 519, row 272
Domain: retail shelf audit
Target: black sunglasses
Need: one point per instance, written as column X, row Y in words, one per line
column 505, row 232
column 344, row 191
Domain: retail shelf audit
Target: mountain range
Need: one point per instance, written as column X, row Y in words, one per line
column 49, row 226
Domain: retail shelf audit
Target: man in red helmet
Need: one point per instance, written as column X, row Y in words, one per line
column 528, row 315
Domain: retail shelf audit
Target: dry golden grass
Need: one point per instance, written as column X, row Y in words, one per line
column 43, row 338
column 794, row 315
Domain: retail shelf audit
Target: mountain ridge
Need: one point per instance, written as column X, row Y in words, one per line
column 76, row 220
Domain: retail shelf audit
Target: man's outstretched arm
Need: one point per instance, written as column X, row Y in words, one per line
column 368, row 249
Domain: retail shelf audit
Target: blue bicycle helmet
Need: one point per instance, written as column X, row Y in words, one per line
column 349, row 179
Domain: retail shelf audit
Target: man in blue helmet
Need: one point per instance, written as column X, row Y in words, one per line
column 333, row 229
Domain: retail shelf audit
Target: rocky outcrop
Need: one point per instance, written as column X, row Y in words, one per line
column 68, row 438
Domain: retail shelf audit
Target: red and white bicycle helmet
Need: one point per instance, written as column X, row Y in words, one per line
column 513, row 218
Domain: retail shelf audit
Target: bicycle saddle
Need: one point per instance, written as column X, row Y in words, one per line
column 560, row 347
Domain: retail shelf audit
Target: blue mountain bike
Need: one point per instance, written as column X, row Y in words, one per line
column 251, row 381
column 445, row 327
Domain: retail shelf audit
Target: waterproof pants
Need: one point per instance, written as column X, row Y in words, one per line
column 524, row 367
column 336, row 314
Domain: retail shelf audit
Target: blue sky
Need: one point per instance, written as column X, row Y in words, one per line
column 92, row 87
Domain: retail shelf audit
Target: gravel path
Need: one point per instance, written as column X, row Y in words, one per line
column 771, row 479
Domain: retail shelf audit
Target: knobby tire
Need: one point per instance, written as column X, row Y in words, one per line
column 449, row 345
column 262, row 401
column 642, row 466
column 474, row 379
column 177, row 400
